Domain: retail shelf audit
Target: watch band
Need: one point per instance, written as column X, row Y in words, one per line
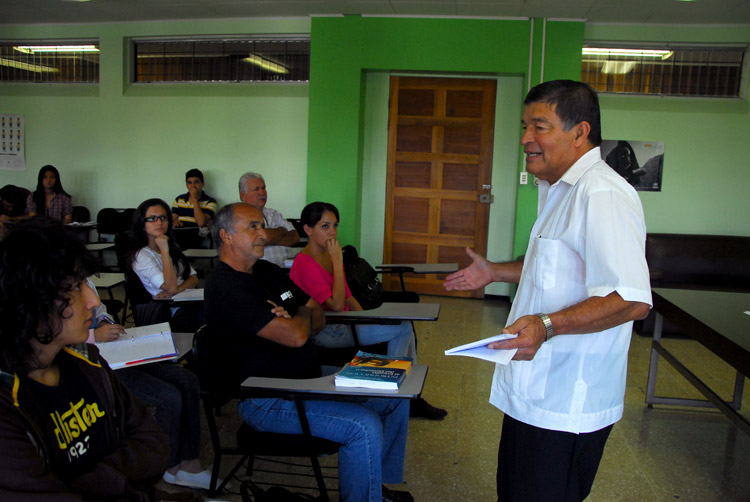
column 547, row 325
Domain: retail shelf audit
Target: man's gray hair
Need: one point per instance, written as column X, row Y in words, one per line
column 224, row 220
column 247, row 177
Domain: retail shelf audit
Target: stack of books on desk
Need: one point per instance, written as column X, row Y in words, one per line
column 373, row 371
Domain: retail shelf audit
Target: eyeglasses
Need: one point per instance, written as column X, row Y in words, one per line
column 151, row 219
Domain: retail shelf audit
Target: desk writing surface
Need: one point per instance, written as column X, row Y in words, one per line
column 183, row 342
column 107, row 280
column 100, row 246
column 717, row 319
column 391, row 311
column 411, row 387
column 421, row 268
column 201, row 253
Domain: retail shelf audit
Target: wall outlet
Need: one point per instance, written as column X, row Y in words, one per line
column 524, row 177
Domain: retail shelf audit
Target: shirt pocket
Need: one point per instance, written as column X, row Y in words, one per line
column 547, row 253
column 528, row 379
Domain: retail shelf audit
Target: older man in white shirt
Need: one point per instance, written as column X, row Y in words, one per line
column 281, row 234
column 583, row 281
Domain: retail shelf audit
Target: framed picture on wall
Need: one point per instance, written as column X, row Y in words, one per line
column 639, row 162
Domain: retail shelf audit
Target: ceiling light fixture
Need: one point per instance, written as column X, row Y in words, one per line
column 267, row 64
column 33, row 49
column 12, row 63
column 617, row 67
column 644, row 53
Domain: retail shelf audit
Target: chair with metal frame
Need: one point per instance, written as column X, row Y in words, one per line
column 251, row 443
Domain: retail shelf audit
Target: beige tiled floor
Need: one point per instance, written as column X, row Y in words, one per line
column 657, row 454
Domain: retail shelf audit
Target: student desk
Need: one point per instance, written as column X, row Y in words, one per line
column 202, row 254
column 187, row 296
column 416, row 268
column 719, row 320
column 325, row 388
column 388, row 313
column 108, row 281
column 183, row 342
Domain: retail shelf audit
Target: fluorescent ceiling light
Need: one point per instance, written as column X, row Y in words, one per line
column 618, row 67
column 33, row 49
column 643, row 53
column 266, row 64
column 27, row 67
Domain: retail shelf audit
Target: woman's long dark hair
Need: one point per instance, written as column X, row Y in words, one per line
column 139, row 238
column 39, row 195
column 313, row 212
column 41, row 261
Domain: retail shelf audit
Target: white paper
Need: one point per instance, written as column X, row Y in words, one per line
column 139, row 345
column 479, row 350
column 188, row 295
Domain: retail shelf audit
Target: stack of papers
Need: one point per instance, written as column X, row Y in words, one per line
column 479, row 350
column 189, row 295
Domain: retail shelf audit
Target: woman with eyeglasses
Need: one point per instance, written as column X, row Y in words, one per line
column 172, row 390
column 70, row 430
column 50, row 198
column 155, row 258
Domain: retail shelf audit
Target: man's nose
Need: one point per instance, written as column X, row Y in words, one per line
column 526, row 137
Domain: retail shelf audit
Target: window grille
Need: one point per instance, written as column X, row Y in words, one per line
column 222, row 60
column 49, row 61
column 665, row 70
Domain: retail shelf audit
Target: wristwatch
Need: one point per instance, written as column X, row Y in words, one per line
column 547, row 325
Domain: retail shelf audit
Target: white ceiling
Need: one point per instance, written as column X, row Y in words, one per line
column 610, row 11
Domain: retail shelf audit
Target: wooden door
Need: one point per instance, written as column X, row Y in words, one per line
column 440, row 136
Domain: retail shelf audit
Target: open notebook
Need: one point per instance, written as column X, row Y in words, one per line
column 139, row 345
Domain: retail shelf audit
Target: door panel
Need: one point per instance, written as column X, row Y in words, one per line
column 439, row 162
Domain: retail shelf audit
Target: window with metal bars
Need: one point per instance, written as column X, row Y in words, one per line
column 666, row 70
column 49, row 61
column 222, row 60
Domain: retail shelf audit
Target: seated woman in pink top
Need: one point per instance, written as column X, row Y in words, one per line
column 319, row 270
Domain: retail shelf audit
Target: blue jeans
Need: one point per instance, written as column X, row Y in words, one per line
column 174, row 393
column 372, row 435
column 400, row 337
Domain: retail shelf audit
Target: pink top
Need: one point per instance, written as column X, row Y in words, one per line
column 315, row 280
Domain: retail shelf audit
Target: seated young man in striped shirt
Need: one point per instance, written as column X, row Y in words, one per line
column 194, row 209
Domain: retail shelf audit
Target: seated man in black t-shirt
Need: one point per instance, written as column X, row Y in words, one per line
column 260, row 324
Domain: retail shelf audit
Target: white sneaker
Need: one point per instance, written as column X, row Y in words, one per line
column 169, row 478
column 198, row 480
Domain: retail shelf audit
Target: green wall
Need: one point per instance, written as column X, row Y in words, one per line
column 706, row 148
column 117, row 144
column 353, row 153
column 346, row 50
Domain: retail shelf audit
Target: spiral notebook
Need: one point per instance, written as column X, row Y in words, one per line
column 140, row 345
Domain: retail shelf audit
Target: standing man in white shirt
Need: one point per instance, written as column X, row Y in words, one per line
column 582, row 282
column 280, row 233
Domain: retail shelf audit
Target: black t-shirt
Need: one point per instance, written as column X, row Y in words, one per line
column 76, row 426
column 236, row 309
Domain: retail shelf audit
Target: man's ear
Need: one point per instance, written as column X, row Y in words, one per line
column 225, row 237
column 581, row 133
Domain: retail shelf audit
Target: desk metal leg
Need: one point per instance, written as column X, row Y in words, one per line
column 739, row 385
column 713, row 400
column 316, row 464
column 653, row 366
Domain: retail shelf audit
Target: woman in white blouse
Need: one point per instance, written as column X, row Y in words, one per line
column 159, row 263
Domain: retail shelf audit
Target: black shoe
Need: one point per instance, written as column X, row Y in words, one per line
column 396, row 495
column 419, row 408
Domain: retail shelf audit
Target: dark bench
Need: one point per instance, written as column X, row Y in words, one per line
column 691, row 261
